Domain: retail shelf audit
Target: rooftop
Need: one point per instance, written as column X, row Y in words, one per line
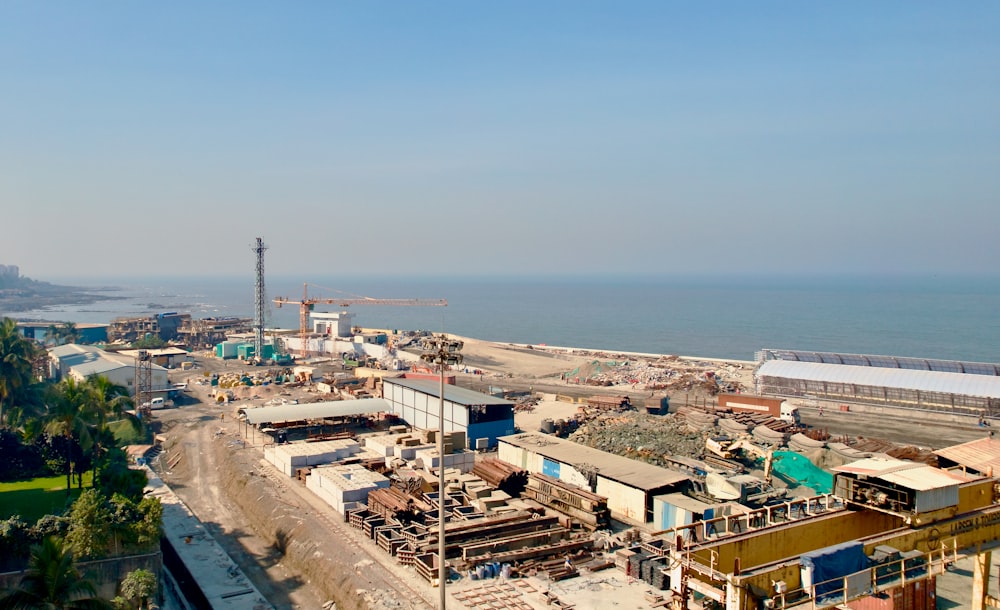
column 454, row 394
column 220, row 579
column 965, row 384
column 622, row 469
column 316, row 410
column 911, row 475
column 982, row 455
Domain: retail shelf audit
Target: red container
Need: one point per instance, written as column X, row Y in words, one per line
column 917, row 595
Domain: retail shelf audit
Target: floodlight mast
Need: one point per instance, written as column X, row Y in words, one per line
column 442, row 351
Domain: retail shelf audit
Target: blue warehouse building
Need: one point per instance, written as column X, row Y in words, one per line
column 482, row 417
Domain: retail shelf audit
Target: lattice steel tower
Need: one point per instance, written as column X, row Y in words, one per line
column 258, row 317
column 143, row 382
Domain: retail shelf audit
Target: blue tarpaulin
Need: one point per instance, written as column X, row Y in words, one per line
column 825, row 568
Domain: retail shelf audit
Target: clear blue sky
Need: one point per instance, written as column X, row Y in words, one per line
column 512, row 138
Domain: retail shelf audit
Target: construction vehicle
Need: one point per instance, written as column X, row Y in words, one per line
column 728, row 449
column 307, row 304
column 762, row 405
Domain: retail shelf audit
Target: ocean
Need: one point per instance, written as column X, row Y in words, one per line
column 952, row 318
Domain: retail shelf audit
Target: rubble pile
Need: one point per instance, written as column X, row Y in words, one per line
column 640, row 436
column 665, row 373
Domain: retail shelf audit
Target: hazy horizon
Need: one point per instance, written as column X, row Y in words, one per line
column 520, row 139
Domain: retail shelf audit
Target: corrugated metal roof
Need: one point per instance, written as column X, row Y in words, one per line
column 163, row 351
column 452, row 393
column 97, row 367
column 963, row 384
column 316, row 410
column 911, row 475
column 895, row 362
column 622, row 469
column 87, row 360
column 683, row 501
column 979, row 455
column 72, row 354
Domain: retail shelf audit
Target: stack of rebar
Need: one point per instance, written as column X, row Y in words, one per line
column 506, row 477
column 392, row 503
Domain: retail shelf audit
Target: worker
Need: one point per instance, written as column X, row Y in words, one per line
column 568, row 564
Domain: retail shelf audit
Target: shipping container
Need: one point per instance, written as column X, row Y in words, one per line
column 918, row 595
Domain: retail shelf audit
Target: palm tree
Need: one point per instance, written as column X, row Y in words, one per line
column 110, row 402
column 52, row 334
column 52, row 582
column 70, row 332
column 16, row 359
column 70, row 413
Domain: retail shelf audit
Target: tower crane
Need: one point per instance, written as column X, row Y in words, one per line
column 307, row 303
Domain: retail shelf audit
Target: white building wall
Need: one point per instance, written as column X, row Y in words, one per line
column 513, row 455
column 535, row 463
column 421, row 410
column 625, row 503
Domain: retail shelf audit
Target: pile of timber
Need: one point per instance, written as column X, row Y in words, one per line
column 499, row 474
column 584, row 506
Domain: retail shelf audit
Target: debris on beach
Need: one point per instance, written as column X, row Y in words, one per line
column 665, row 373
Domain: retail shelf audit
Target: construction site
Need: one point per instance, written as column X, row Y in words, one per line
column 738, row 508
column 669, row 478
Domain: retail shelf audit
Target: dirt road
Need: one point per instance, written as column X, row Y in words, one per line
column 294, row 547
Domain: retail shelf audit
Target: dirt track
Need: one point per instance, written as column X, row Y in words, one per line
column 294, row 547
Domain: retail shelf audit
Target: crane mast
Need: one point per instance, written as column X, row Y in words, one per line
column 307, row 303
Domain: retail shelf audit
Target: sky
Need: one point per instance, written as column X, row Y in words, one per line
column 499, row 138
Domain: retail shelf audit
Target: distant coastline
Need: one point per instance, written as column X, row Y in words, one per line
column 928, row 317
column 19, row 293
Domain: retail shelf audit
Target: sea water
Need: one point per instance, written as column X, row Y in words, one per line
column 718, row 317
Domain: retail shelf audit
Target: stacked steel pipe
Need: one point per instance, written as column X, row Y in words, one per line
column 506, row 477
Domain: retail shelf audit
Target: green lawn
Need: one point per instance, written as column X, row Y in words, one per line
column 38, row 497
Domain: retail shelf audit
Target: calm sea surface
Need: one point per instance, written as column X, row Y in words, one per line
column 949, row 318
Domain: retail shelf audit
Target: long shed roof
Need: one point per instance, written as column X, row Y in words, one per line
column 452, row 393
column 911, row 475
column 981, row 455
column 316, row 410
column 963, row 384
column 622, row 469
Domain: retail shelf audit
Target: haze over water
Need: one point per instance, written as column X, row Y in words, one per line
column 932, row 317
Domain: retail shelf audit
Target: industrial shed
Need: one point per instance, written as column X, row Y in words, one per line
column 966, row 393
column 482, row 417
column 83, row 361
column 981, row 456
column 332, row 409
column 629, row 485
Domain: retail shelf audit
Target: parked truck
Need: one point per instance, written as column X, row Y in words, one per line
column 763, row 405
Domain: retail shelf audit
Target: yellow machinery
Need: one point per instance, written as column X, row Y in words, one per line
column 753, row 560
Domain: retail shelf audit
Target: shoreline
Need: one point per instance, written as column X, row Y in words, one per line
column 589, row 350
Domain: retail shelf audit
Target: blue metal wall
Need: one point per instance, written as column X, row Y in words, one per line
column 490, row 430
